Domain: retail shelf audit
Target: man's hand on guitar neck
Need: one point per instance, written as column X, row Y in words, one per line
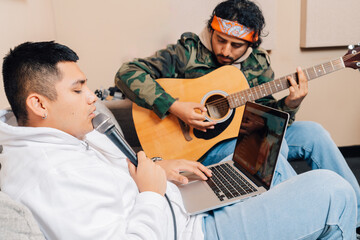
column 297, row 91
column 192, row 114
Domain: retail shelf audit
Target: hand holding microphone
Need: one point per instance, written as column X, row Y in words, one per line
column 145, row 179
column 149, row 176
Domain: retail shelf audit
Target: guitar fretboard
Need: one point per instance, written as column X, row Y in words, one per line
column 240, row 98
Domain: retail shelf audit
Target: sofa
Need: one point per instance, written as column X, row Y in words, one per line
column 16, row 221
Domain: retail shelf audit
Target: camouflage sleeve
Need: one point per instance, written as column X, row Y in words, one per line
column 264, row 74
column 137, row 78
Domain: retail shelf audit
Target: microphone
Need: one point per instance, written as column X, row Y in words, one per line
column 103, row 124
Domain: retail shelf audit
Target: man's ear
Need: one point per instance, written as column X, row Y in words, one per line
column 37, row 105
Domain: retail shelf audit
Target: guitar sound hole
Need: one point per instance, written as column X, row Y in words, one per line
column 217, row 106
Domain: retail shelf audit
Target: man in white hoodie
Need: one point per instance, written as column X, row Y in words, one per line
column 78, row 185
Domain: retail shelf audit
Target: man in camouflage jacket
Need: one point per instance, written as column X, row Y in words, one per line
column 189, row 58
column 194, row 56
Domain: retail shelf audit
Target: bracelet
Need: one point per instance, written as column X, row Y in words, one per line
column 156, row 159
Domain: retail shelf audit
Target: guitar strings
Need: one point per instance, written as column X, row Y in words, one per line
column 223, row 103
column 328, row 67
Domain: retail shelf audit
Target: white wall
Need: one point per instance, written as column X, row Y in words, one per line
column 333, row 100
column 21, row 21
column 107, row 33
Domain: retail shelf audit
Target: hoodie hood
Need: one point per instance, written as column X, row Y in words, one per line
column 16, row 136
column 24, row 145
column 13, row 138
column 205, row 38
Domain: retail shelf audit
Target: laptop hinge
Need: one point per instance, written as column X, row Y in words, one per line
column 251, row 177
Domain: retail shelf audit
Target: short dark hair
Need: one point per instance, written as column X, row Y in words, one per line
column 31, row 68
column 244, row 12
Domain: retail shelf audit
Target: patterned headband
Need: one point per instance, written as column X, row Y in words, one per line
column 233, row 29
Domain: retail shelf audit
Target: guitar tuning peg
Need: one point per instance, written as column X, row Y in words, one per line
column 351, row 47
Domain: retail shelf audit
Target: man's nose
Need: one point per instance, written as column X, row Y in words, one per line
column 91, row 98
column 226, row 50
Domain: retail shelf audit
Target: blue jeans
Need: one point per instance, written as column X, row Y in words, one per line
column 311, row 142
column 303, row 140
column 315, row 205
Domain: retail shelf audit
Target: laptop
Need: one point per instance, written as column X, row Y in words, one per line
column 251, row 169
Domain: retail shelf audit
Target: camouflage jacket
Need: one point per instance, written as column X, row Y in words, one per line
column 188, row 58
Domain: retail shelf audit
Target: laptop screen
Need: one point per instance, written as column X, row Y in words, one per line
column 258, row 144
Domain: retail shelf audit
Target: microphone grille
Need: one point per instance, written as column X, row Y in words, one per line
column 102, row 123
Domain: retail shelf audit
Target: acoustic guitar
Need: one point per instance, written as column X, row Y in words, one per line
column 224, row 92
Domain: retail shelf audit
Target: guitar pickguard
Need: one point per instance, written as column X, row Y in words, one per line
column 219, row 128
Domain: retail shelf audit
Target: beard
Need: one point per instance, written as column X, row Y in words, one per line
column 224, row 60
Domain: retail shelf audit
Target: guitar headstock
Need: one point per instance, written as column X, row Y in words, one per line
column 352, row 57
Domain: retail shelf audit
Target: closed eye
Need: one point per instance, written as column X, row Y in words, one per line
column 220, row 40
column 236, row 45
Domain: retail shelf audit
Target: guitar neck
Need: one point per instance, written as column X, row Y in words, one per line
column 240, row 98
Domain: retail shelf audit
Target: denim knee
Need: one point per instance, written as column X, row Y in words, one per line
column 335, row 185
column 311, row 131
column 313, row 128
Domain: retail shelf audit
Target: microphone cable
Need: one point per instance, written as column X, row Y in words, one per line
column 103, row 124
column 173, row 216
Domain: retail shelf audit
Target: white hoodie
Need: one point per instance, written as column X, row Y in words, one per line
column 83, row 190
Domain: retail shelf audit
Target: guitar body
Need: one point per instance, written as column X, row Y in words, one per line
column 167, row 139
column 224, row 92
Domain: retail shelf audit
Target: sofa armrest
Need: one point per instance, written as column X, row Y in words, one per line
column 122, row 111
column 16, row 221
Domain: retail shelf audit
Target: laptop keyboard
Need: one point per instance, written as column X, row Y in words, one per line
column 228, row 183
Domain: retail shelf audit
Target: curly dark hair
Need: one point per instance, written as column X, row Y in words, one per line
column 244, row 12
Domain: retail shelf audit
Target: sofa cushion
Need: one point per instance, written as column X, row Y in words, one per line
column 122, row 111
column 16, row 221
column 102, row 108
column 8, row 117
